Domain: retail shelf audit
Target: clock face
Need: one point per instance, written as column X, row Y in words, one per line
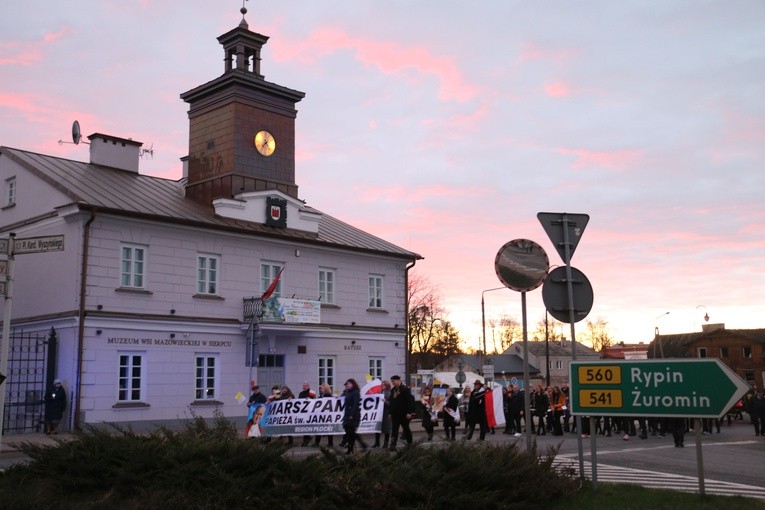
column 265, row 143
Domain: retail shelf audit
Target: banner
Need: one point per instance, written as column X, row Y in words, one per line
column 318, row 416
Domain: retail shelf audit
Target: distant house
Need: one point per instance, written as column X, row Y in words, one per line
column 506, row 367
column 743, row 350
column 560, row 355
column 625, row 351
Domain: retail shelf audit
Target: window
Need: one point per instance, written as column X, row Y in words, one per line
column 10, row 185
column 207, row 274
column 559, row 365
column 130, row 381
column 268, row 271
column 376, row 368
column 204, row 378
column 132, row 266
column 747, row 353
column 327, row 286
column 701, row 352
column 327, row 371
column 723, row 352
column 375, row 291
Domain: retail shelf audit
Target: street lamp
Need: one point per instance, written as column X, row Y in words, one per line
column 706, row 315
column 483, row 323
column 656, row 334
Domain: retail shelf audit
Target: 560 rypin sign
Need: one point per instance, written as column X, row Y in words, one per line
column 700, row 388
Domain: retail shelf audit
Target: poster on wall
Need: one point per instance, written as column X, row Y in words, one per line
column 292, row 311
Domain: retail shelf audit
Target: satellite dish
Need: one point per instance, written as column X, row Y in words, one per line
column 76, row 133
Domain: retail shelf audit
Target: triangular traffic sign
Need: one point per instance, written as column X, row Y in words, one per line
column 553, row 225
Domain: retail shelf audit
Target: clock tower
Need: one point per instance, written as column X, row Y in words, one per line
column 241, row 127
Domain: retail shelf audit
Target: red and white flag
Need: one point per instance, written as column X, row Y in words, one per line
column 271, row 288
column 372, row 387
column 494, row 412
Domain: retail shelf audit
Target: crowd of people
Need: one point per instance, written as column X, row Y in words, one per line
column 549, row 413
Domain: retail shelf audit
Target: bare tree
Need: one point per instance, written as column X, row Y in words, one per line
column 431, row 337
column 597, row 334
column 504, row 331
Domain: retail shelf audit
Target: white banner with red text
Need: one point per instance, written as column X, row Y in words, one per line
column 318, row 416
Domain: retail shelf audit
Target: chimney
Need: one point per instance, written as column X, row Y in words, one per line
column 114, row 152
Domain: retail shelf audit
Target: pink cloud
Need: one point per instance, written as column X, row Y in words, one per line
column 557, row 89
column 612, row 160
column 25, row 53
column 388, row 57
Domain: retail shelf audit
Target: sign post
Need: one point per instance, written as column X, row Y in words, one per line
column 669, row 388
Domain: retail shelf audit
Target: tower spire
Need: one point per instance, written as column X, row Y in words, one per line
column 243, row 10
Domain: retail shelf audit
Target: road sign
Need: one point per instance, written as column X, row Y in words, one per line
column 488, row 370
column 555, row 294
column 698, row 388
column 460, row 377
column 38, row 244
column 553, row 223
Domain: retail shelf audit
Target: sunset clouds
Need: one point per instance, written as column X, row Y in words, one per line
column 445, row 130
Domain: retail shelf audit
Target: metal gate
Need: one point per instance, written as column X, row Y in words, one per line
column 26, row 384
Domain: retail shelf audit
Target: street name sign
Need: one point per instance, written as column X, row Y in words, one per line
column 693, row 388
column 38, row 244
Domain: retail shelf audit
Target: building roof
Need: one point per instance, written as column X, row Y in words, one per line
column 509, row 363
column 114, row 191
column 676, row 346
column 556, row 349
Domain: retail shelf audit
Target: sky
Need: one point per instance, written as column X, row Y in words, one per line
column 445, row 127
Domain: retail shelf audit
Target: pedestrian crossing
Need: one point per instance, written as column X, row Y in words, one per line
column 658, row 480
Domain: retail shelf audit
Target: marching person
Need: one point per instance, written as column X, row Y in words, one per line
column 352, row 415
column 757, row 412
column 306, row 393
column 477, row 411
column 401, row 411
column 451, row 415
column 325, row 392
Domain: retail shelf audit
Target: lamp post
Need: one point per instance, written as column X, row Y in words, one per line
column 706, row 315
column 547, row 352
column 483, row 323
column 656, row 334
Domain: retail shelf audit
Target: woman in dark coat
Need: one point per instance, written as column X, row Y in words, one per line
column 55, row 403
column 450, row 411
column 352, row 414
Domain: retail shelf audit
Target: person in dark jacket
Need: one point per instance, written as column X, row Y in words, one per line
column 450, row 411
column 352, row 415
column 477, row 411
column 55, row 403
column 401, row 411
column 541, row 405
column 757, row 412
column 517, row 403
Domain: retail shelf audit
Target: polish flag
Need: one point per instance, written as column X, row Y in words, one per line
column 271, row 288
column 494, row 414
column 372, row 387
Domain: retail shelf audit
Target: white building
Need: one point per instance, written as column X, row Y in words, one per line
column 147, row 295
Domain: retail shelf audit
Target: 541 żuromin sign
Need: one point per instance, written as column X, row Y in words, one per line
column 699, row 388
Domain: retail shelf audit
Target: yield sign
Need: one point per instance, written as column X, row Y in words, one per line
column 564, row 229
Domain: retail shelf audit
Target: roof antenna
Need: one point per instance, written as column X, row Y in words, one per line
column 149, row 151
column 76, row 135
